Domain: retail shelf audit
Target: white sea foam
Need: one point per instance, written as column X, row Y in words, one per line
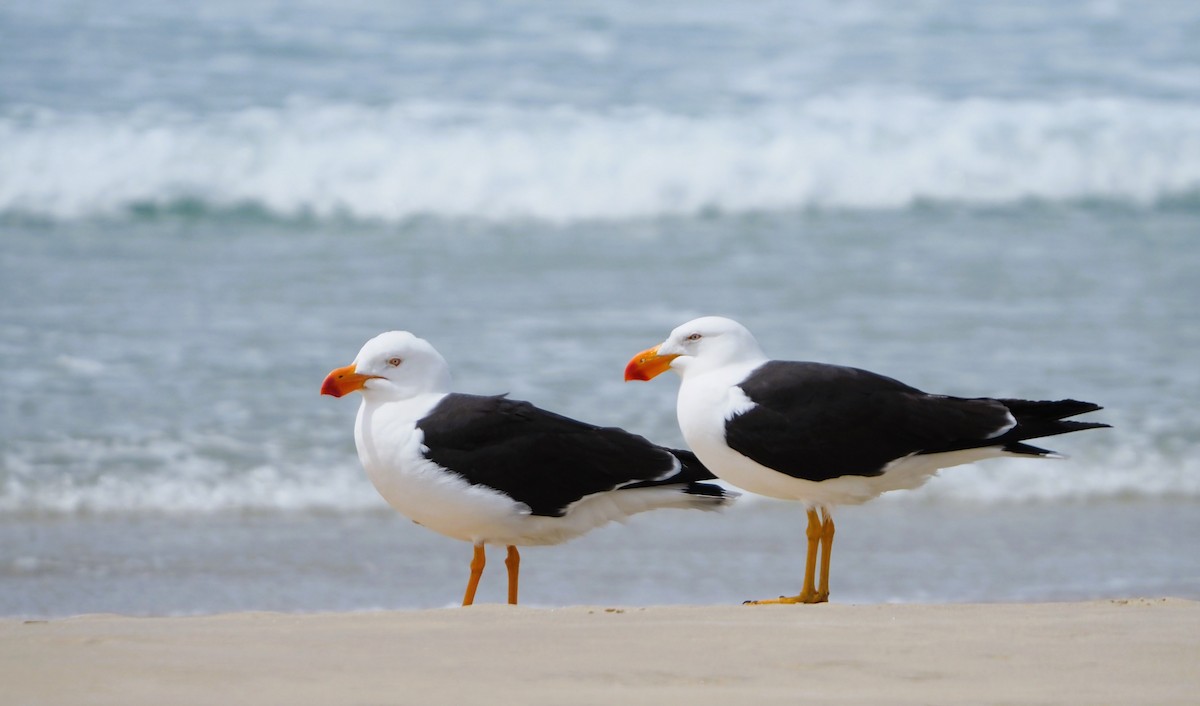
column 395, row 162
column 91, row 476
column 84, row 477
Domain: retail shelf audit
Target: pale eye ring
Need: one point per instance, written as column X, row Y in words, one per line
column 394, row 362
column 694, row 337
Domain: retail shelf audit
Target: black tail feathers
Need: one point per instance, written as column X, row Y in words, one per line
column 691, row 469
column 1039, row 418
column 1049, row 409
column 709, row 490
column 691, row 473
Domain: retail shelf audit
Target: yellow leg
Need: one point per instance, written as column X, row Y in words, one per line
column 513, row 562
column 477, row 562
column 808, row 593
column 826, row 549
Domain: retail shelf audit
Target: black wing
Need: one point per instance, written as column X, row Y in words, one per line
column 816, row 421
column 546, row 460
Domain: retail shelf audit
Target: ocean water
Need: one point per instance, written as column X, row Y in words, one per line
column 205, row 209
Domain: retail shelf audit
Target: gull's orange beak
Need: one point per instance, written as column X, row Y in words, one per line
column 343, row 381
column 648, row 364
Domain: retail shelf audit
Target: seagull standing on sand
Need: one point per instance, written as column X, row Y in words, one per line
column 830, row 435
column 490, row 470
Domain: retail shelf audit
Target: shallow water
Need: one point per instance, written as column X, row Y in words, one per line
column 887, row 552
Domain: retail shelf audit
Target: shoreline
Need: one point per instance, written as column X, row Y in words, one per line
column 1142, row 650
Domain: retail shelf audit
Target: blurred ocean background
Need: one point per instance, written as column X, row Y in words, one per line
column 205, row 207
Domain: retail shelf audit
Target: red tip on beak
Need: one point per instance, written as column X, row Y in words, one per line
column 647, row 365
column 343, row 381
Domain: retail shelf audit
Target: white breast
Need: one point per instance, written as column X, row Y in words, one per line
column 390, row 448
column 706, row 402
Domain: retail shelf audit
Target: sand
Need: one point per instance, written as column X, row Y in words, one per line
column 1139, row 651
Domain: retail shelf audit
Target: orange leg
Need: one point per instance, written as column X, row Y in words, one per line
column 826, row 549
column 513, row 562
column 808, row 593
column 477, row 562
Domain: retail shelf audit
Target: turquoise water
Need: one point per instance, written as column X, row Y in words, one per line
column 203, row 211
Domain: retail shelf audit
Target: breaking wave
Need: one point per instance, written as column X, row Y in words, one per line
column 392, row 163
column 74, row 477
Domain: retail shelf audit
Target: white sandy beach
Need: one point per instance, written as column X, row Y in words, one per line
column 1139, row 651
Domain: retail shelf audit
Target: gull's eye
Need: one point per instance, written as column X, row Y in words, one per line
column 694, row 337
column 395, row 362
